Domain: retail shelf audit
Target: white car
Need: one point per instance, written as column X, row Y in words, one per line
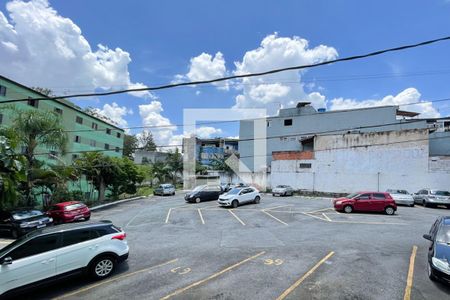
column 401, row 197
column 238, row 196
column 46, row 254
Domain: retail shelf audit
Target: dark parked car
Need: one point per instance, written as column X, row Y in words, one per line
column 366, row 201
column 203, row 193
column 439, row 251
column 66, row 212
column 18, row 222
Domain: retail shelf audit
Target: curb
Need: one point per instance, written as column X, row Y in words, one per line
column 115, row 203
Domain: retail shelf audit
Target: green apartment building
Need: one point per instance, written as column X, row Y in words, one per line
column 84, row 131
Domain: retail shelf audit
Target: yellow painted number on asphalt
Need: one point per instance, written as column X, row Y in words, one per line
column 180, row 271
column 275, row 262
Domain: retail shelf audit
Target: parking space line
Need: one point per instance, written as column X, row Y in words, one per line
column 114, row 279
column 326, row 217
column 320, row 210
column 409, row 280
column 312, row 216
column 168, row 215
column 279, row 206
column 369, row 223
column 273, row 217
column 237, row 218
column 306, row 275
column 201, row 217
column 179, row 291
column 132, row 219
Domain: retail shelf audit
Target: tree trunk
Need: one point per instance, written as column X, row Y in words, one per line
column 101, row 190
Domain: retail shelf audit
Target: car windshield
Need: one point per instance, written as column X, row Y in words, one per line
column 443, row 234
column 166, row 186
column 353, row 195
column 199, row 188
column 74, row 206
column 234, row 191
column 442, row 193
column 281, row 186
column 25, row 214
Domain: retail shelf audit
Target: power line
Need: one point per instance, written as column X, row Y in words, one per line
column 273, row 71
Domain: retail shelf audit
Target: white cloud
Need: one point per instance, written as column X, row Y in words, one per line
column 409, row 95
column 116, row 113
column 151, row 116
column 285, row 88
column 39, row 47
column 205, row 67
column 206, row 132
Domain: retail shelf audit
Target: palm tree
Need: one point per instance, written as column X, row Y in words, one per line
column 35, row 128
column 160, row 170
column 175, row 163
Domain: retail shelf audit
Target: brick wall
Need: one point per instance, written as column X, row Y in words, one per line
column 292, row 155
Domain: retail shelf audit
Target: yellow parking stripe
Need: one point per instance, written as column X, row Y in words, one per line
column 409, row 280
column 114, row 279
column 307, row 274
column 179, row 291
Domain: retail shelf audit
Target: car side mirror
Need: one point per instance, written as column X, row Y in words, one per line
column 6, row 261
column 427, row 237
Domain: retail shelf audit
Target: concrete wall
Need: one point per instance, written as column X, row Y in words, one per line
column 287, row 138
column 346, row 163
column 440, row 143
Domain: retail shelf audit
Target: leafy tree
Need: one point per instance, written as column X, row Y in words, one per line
column 200, row 169
column 12, row 174
column 175, row 164
column 160, row 171
column 146, row 141
column 130, row 143
column 223, row 164
column 128, row 177
column 35, row 128
column 99, row 170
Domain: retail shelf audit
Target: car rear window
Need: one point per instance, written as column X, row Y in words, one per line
column 74, row 206
column 442, row 193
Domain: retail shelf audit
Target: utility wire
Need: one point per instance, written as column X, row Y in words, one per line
column 273, row 71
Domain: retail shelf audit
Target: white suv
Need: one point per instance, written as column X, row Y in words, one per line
column 46, row 254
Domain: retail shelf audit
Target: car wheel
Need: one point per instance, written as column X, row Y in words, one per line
column 14, row 234
column 235, row 203
column 273, row 195
column 257, row 199
column 430, row 273
column 411, row 205
column 197, row 200
column 348, row 209
column 389, row 210
column 424, row 203
column 87, row 218
column 173, row 194
column 102, row 267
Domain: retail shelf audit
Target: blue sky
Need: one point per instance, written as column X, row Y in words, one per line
column 161, row 38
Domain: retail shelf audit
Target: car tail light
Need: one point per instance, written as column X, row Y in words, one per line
column 120, row 236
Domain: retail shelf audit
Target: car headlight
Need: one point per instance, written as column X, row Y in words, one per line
column 23, row 225
column 50, row 220
column 441, row 264
column 338, row 202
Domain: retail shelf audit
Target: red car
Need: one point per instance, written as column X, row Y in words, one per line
column 70, row 211
column 366, row 201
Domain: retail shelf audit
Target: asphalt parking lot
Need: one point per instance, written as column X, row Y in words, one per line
column 282, row 248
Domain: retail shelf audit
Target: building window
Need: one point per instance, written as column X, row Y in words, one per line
column 106, row 146
column 74, row 157
column 288, row 122
column 305, row 166
column 117, row 149
column 2, row 90
column 59, row 111
column 118, row 135
column 32, row 102
column 79, row 120
column 108, row 131
column 94, row 126
column 77, row 139
column 269, row 123
column 1, row 118
column 93, row 143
